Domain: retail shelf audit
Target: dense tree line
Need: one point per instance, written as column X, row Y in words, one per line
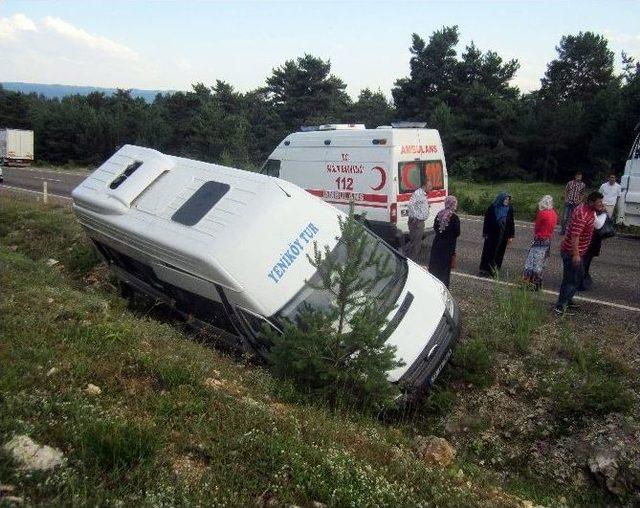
column 582, row 117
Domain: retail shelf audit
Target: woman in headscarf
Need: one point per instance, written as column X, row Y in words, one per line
column 443, row 248
column 498, row 230
column 543, row 227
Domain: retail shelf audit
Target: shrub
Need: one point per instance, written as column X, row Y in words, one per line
column 472, row 362
column 517, row 313
column 592, row 383
column 338, row 351
column 578, row 394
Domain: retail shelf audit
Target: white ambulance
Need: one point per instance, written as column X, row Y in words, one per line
column 376, row 168
column 228, row 249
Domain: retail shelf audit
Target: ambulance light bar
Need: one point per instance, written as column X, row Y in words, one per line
column 341, row 127
column 408, row 125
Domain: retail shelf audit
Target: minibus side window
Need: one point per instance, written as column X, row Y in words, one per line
column 200, row 202
column 271, row 168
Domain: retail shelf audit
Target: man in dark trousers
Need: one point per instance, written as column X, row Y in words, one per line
column 573, row 249
column 572, row 197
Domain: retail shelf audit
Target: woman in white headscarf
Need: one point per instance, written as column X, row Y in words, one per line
column 543, row 227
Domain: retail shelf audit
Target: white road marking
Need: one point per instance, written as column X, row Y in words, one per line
column 55, row 171
column 549, row 292
column 34, row 192
column 47, row 179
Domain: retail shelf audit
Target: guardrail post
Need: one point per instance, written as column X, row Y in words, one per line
column 44, row 192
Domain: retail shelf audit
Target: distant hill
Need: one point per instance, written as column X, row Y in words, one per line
column 59, row 91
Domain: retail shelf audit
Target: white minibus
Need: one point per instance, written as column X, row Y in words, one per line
column 228, row 248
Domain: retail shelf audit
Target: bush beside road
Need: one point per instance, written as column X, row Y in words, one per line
column 474, row 198
column 536, row 408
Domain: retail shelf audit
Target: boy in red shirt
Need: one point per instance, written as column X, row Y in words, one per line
column 574, row 247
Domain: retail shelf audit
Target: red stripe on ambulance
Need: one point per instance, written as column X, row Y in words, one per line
column 433, row 196
column 358, row 197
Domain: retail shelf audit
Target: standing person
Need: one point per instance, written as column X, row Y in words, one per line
column 573, row 249
column 545, row 223
column 418, row 210
column 611, row 191
column 573, row 193
column 498, row 230
column 443, row 248
column 593, row 251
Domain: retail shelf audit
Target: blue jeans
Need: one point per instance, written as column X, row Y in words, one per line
column 566, row 215
column 572, row 276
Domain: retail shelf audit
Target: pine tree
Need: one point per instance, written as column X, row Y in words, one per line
column 339, row 352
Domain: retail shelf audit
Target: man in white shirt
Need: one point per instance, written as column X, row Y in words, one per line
column 611, row 191
column 418, row 210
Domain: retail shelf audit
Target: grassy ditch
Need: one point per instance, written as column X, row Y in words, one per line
column 176, row 422
column 179, row 422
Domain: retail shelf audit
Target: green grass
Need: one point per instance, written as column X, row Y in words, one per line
column 593, row 383
column 474, row 198
column 509, row 328
column 161, row 432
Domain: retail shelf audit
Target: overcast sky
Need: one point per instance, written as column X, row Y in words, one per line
column 170, row 45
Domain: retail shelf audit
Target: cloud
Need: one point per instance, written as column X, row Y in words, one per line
column 52, row 50
column 96, row 42
column 629, row 42
column 10, row 27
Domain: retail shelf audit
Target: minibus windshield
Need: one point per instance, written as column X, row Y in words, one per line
column 387, row 290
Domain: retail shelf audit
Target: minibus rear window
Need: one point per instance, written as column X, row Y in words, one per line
column 412, row 174
column 199, row 204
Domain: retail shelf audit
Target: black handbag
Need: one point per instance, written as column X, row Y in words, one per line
column 607, row 230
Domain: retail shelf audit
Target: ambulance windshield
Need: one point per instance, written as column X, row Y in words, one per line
column 387, row 290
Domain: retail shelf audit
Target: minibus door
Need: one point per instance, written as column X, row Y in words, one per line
column 248, row 325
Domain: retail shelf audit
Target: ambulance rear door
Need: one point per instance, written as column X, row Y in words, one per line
column 358, row 170
column 420, row 158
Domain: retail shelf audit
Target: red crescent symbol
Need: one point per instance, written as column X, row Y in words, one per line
column 383, row 178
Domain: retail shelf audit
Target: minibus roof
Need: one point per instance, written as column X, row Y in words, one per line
column 248, row 232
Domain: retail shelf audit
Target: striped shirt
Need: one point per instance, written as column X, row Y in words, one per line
column 573, row 192
column 580, row 225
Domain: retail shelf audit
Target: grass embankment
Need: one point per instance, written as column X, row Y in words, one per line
column 474, row 198
column 178, row 422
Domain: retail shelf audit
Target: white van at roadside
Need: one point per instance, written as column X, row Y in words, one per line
column 228, row 249
column 376, row 168
column 629, row 201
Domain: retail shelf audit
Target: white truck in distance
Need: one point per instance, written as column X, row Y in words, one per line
column 16, row 147
column 228, row 249
column 376, row 168
column 629, row 201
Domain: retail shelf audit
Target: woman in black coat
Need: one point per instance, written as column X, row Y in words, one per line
column 443, row 248
column 498, row 230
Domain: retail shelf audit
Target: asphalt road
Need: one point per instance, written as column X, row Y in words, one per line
column 616, row 272
column 60, row 183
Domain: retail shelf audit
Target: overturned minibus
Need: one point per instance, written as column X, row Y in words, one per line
column 228, row 249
